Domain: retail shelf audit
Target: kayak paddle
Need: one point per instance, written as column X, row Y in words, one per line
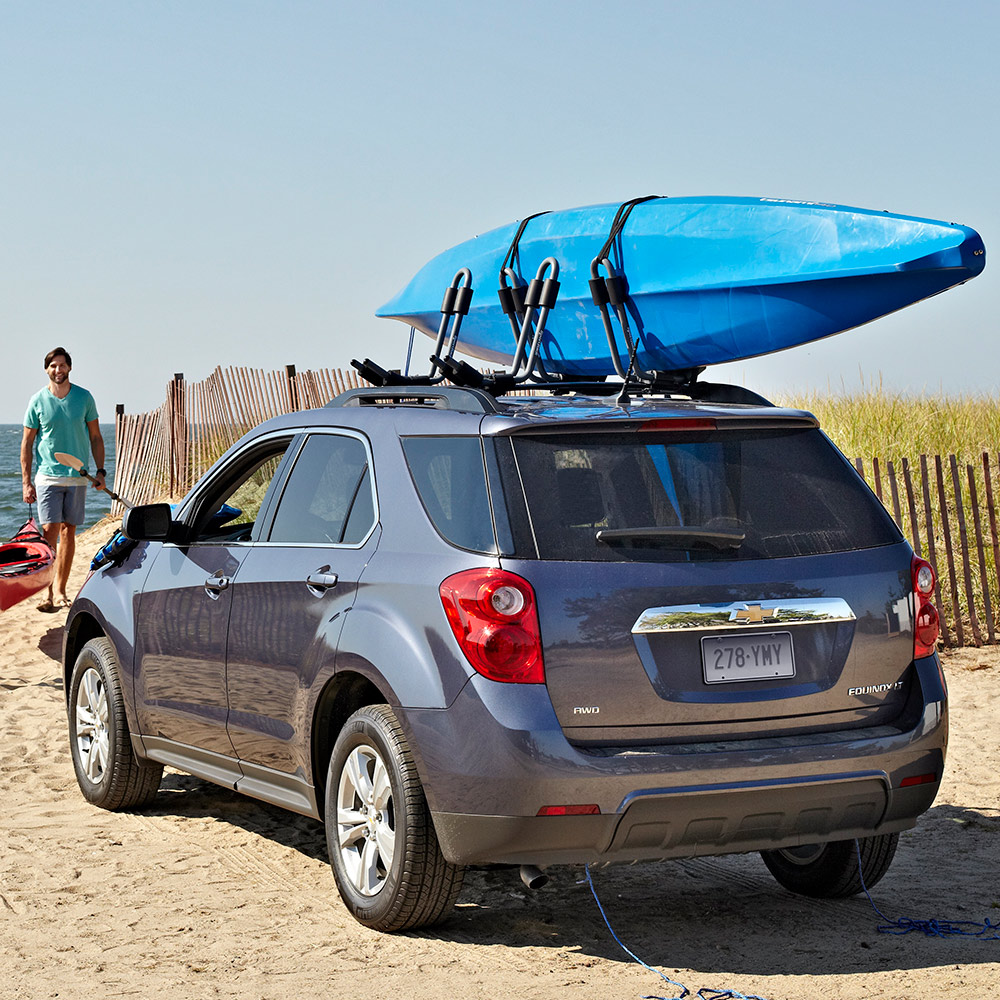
column 74, row 463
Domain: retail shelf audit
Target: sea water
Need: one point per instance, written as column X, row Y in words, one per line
column 13, row 509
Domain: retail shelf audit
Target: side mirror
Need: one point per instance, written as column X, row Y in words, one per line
column 148, row 523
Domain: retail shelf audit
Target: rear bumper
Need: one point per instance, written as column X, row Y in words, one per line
column 666, row 802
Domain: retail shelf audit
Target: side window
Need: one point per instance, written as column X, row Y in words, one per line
column 451, row 479
column 231, row 507
column 329, row 497
column 249, row 495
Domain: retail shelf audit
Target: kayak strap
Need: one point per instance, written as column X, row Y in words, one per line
column 612, row 290
column 618, row 223
column 507, row 264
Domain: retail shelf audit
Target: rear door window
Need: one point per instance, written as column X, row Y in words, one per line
column 702, row 495
column 329, row 498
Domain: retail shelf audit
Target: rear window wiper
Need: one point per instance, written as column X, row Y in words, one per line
column 674, row 537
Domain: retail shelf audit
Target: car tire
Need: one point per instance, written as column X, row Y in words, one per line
column 830, row 871
column 107, row 769
column 385, row 856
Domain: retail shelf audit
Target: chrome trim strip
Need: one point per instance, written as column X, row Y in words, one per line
column 743, row 614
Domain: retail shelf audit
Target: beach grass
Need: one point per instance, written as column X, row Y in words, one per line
column 875, row 422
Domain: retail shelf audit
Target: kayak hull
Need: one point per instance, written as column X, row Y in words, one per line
column 27, row 563
column 710, row 280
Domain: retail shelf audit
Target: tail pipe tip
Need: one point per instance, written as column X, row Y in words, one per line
column 533, row 877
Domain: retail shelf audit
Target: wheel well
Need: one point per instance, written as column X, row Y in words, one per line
column 83, row 629
column 341, row 698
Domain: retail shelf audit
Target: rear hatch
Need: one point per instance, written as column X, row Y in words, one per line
column 706, row 578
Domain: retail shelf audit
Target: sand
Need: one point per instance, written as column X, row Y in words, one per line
column 209, row 894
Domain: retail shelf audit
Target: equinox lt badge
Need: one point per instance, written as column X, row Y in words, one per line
column 857, row 692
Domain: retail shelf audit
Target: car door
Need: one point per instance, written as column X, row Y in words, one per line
column 291, row 596
column 183, row 616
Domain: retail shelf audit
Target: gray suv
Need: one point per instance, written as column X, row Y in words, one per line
column 465, row 630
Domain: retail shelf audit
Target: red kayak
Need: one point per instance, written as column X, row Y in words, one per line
column 26, row 564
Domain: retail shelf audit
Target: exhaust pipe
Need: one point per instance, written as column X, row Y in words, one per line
column 533, row 877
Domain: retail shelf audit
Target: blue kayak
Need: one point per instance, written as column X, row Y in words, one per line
column 709, row 279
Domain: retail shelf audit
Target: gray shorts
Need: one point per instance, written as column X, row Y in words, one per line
column 61, row 504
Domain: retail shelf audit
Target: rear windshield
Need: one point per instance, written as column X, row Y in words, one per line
column 704, row 495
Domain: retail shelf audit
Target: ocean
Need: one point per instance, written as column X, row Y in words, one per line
column 13, row 509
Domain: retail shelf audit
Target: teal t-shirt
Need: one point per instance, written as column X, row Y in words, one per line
column 61, row 426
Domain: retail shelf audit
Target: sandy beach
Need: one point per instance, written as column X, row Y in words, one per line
column 209, row 894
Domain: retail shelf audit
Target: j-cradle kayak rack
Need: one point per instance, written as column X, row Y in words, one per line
column 527, row 307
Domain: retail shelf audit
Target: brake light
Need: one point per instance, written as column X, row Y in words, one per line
column 680, row 424
column 494, row 617
column 926, row 623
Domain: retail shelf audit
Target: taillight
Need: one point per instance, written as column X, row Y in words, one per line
column 926, row 624
column 494, row 618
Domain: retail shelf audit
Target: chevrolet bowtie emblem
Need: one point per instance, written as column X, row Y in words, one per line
column 754, row 613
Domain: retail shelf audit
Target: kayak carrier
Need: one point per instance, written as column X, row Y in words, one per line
column 527, row 307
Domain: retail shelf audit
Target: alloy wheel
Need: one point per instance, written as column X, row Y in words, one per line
column 92, row 733
column 366, row 828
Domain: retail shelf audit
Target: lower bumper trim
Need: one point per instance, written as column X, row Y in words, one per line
column 686, row 823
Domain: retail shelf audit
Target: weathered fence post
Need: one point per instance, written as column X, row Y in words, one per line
column 925, row 487
column 956, row 608
column 980, row 552
column 991, row 510
column 963, row 537
column 911, row 507
column 177, row 434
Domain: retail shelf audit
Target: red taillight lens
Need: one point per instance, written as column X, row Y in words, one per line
column 494, row 618
column 918, row 779
column 574, row 810
column 926, row 624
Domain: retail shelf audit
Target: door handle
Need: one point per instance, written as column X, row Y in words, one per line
column 215, row 585
column 322, row 580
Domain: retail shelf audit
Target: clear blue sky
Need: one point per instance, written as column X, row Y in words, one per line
column 188, row 183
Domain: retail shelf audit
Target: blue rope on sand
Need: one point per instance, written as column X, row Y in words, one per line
column 706, row 993
column 985, row 930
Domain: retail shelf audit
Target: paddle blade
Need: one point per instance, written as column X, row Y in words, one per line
column 71, row 460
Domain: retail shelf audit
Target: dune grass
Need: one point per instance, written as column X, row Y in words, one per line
column 891, row 426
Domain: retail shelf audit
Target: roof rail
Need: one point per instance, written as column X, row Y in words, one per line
column 437, row 397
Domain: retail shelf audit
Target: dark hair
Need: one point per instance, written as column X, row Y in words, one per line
column 54, row 353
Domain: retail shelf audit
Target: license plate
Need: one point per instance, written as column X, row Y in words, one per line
column 759, row 656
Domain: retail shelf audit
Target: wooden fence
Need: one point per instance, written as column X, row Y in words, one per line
column 944, row 505
column 946, row 508
column 162, row 453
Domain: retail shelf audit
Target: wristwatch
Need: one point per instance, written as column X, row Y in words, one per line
column 102, row 472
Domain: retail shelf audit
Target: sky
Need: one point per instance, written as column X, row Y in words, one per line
column 193, row 183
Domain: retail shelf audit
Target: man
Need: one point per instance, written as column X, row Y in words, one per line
column 61, row 417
